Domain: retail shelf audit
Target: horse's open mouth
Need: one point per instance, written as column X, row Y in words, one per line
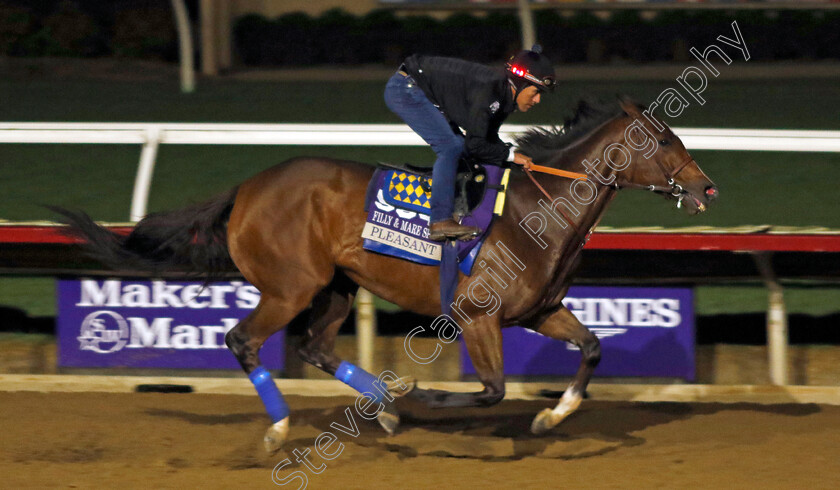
column 691, row 203
column 688, row 201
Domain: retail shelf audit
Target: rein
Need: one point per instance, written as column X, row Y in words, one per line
column 553, row 171
column 675, row 189
column 530, row 168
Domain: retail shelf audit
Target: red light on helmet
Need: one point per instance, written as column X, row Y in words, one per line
column 545, row 83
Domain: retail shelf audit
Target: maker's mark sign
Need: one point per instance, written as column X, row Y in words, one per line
column 154, row 324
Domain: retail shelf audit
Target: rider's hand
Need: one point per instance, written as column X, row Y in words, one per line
column 521, row 159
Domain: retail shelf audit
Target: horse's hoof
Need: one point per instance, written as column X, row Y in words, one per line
column 545, row 421
column 276, row 435
column 389, row 419
column 401, row 387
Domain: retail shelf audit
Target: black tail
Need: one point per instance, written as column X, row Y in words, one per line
column 192, row 240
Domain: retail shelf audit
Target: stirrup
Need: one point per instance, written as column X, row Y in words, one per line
column 460, row 233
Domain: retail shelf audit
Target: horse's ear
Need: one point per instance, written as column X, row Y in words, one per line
column 629, row 106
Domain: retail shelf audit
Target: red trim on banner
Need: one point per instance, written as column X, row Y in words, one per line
column 43, row 234
column 709, row 241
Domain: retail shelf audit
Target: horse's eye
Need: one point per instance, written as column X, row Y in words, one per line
column 664, row 142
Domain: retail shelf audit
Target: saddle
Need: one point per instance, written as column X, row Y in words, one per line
column 398, row 206
column 471, row 183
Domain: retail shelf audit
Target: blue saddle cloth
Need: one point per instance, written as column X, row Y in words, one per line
column 398, row 217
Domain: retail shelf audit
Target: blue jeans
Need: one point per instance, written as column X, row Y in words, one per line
column 407, row 100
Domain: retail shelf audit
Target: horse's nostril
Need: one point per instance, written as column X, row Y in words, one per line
column 711, row 192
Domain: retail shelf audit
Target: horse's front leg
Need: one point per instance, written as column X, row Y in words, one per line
column 483, row 338
column 562, row 325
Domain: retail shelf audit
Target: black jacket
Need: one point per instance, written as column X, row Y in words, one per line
column 473, row 96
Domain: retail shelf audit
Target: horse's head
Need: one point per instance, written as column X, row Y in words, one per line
column 663, row 165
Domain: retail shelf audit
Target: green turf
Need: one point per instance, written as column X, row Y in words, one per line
column 26, row 338
column 788, row 189
column 793, row 189
column 755, row 187
column 33, row 295
column 716, row 300
column 805, row 104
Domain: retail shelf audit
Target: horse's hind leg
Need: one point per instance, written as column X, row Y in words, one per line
column 483, row 338
column 562, row 325
column 329, row 310
column 245, row 341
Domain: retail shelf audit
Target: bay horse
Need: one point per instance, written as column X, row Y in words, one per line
column 294, row 230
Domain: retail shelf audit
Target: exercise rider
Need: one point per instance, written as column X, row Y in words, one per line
column 435, row 96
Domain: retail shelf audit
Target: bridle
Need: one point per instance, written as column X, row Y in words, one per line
column 675, row 189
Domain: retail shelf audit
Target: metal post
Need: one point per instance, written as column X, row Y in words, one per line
column 209, row 57
column 365, row 328
column 777, row 336
column 185, row 46
column 526, row 21
column 777, row 328
column 145, row 169
column 223, row 28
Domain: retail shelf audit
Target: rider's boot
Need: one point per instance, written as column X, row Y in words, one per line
column 441, row 231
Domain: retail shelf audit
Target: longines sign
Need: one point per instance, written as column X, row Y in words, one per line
column 154, row 324
column 643, row 332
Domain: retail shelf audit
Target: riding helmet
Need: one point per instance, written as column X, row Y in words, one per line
column 531, row 68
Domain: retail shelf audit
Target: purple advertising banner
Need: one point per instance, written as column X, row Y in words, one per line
column 643, row 332
column 155, row 324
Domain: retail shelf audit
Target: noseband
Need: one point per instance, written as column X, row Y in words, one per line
column 675, row 189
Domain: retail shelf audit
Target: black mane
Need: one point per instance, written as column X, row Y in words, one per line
column 543, row 144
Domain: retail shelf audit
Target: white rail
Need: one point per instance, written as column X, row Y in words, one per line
column 150, row 135
column 370, row 135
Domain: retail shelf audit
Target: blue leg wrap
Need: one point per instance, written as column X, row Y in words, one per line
column 271, row 397
column 360, row 380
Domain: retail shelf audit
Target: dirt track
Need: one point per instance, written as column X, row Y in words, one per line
column 71, row 440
